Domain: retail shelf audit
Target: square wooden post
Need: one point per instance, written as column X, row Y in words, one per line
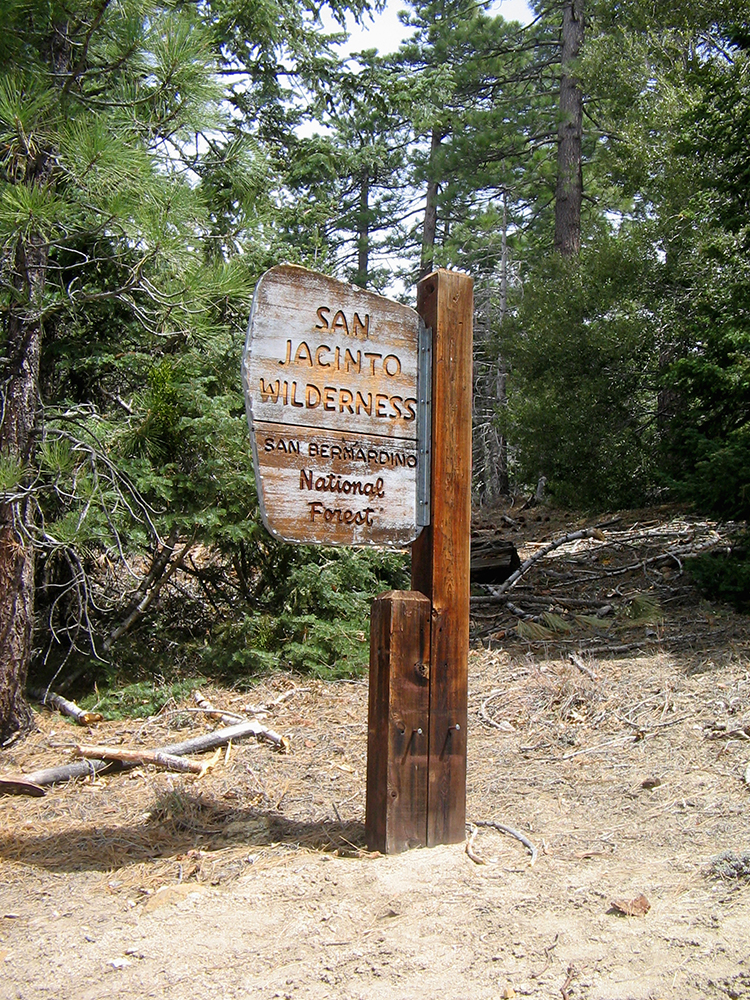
column 441, row 554
column 398, row 722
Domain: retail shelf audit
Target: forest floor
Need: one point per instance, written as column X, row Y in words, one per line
column 628, row 771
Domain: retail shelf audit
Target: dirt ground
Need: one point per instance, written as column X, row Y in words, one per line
column 630, row 778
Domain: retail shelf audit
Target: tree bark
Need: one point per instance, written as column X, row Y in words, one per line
column 569, row 190
column 19, row 409
column 430, row 210
column 20, row 393
column 363, row 232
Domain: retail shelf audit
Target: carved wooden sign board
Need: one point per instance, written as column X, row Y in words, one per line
column 332, row 390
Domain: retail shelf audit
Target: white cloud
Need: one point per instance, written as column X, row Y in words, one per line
column 385, row 31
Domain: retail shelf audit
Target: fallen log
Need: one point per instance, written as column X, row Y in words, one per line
column 493, row 562
column 66, row 772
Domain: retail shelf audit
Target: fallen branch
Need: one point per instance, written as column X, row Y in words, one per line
column 543, row 602
column 473, row 856
column 269, row 706
column 568, row 980
column 213, row 713
column 230, row 718
column 239, row 731
column 477, row 858
column 545, row 550
column 519, row 612
column 619, row 741
column 16, row 785
column 547, row 959
column 209, row 741
column 169, row 761
column 67, row 772
column 721, row 731
column 69, row 708
column 504, row 726
column 576, row 660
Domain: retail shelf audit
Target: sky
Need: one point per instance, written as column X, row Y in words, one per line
column 385, row 31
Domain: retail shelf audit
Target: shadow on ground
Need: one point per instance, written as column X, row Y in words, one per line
column 178, row 825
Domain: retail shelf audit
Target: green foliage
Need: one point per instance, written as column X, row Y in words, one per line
column 593, row 621
column 151, row 212
column 725, row 576
column 137, row 700
column 315, row 616
column 12, row 472
column 581, row 387
column 707, row 447
column 305, row 643
column 643, row 609
column 151, row 164
column 533, row 631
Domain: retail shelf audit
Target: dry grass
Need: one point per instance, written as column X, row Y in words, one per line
column 143, row 828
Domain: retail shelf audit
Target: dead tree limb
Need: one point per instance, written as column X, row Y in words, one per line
column 66, row 772
column 576, row 660
column 269, row 706
column 150, row 587
column 501, row 828
column 169, row 761
column 198, row 744
column 204, row 705
column 221, row 737
column 18, row 785
column 545, row 550
column 69, row 708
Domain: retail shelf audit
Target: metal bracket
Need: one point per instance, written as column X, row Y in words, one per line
column 424, row 423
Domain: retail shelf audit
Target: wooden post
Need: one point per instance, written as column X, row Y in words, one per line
column 398, row 722
column 441, row 554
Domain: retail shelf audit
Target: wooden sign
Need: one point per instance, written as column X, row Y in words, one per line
column 331, row 375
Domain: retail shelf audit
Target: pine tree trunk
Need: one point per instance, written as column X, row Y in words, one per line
column 430, row 211
column 20, row 404
column 569, row 191
column 503, row 484
column 363, row 232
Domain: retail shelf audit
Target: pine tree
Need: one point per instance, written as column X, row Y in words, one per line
column 569, row 189
column 349, row 173
column 94, row 218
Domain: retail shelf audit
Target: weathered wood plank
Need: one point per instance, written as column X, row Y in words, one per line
column 396, row 813
column 330, row 374
column 334, row 488
column 441, row 555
